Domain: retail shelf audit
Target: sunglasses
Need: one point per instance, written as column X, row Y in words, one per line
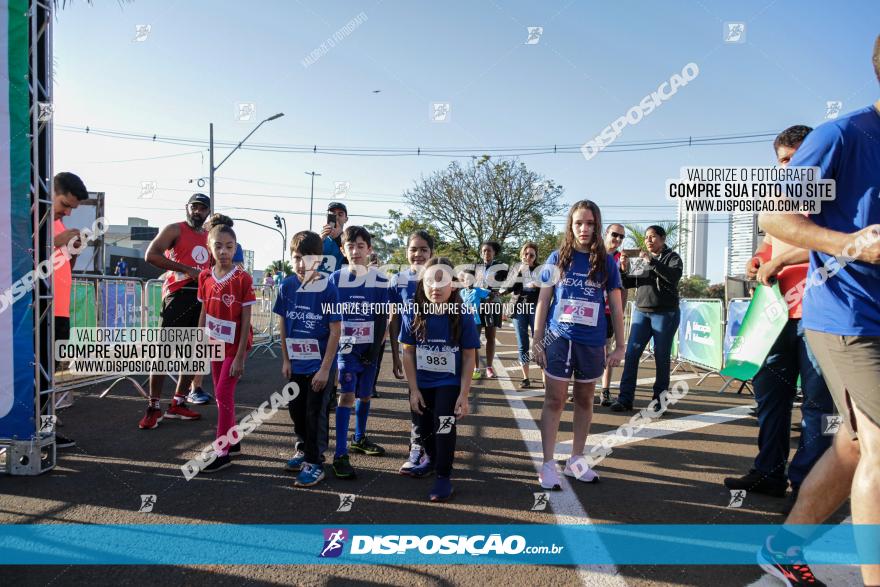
column 617, row 235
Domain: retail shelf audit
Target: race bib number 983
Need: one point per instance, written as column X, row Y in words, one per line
column 435, row 361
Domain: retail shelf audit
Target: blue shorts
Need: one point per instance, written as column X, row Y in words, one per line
column 566, row 358
column 359, row 382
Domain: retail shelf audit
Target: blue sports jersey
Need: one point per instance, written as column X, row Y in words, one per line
column 360, row 297
column 577, row 311
column 846, row 150
column 307, row 312
column 438, row 364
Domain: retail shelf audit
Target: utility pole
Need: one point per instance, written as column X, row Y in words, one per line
column 237, row 147
column 312, row 198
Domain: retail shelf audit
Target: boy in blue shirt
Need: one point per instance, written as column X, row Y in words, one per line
column 363, row 294
column 310, row 325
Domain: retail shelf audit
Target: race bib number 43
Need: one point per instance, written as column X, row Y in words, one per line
column 436, row 361
column 579, row 312
column 303, row 349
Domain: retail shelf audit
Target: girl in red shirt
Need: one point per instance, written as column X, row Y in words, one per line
column 227, row 294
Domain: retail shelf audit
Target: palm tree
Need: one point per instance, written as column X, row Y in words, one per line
column 285, row 268
column 636, row 235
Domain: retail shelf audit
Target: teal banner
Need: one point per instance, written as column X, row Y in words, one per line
column 701, row 333
column 468, row 544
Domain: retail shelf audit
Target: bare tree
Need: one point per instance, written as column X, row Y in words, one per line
column 485, row 200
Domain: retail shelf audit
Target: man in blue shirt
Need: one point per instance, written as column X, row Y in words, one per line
column 841, row 314
column 331, row 235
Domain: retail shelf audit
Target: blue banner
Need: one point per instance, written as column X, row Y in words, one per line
column 17, row 409
column 736, row 311
column 216, row 544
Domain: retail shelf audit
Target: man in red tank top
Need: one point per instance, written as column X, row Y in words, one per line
column 182, row 250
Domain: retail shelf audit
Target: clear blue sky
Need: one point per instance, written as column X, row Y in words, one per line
column 592, row 63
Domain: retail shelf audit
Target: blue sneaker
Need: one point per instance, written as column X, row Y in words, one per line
column 310, row 475
column 198, row 396
column 296, row 463
column 423, row 469
column 442, row 489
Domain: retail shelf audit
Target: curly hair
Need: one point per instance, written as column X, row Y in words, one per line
column 596, row 248
column 220, row 224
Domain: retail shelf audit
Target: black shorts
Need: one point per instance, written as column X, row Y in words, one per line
column 489, row 312
column 180, row 309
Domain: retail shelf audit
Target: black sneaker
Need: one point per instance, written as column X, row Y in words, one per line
column 757, row 482
column 525, row 383
column 619, row 407
column 342, row 468
column 606, row 398
column 597, row 400
column 64, row 442
column 789, row 567
column 365, row 447
column 219, row 464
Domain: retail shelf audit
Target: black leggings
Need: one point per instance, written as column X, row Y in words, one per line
column 440, row 446
column 306, row 411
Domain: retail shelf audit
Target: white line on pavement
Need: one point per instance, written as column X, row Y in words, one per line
column 566, row 507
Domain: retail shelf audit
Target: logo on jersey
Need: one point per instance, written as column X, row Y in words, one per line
column 334, row 540
column 200, row 254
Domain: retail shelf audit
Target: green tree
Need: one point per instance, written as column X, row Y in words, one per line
column 716, row 290
column 482, row 200
column 285, row 267
column 693, row 287
column 636, row 234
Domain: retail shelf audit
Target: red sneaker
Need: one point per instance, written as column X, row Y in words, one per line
column 151, row 418
column 181, row 412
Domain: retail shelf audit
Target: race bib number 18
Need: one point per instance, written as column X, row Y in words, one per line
column 303, row 349
column 579, row 312
column 436, row 361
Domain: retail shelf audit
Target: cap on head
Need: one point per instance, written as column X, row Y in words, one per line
column 200, row 199
column 337, row 206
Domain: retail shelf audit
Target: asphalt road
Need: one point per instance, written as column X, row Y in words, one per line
column 672, row 478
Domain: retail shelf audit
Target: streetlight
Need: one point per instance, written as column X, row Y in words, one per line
column 211, row 162
column 312, row 198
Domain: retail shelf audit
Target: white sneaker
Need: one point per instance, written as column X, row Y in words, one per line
column 549, row 476
column 578, row 468
column 416, row 454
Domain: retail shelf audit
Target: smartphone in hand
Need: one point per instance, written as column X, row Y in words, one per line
column 331, row 219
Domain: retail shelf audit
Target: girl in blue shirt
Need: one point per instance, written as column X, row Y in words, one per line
column 570, row 328
column 438, row 366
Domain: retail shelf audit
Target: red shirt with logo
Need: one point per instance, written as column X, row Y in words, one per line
column 223, row 299
column 792, row 279
column 190, row 248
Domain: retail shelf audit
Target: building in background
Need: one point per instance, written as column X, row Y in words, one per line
column 130, row 241
column 248, row 261
column 743, row 236
column 693, row 241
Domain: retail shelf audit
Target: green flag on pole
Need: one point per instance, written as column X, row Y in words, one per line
column 764, row 320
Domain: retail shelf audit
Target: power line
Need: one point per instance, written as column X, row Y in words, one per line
column 418, row 151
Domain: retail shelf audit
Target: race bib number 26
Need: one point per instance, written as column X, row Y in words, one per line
column 579, row 312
